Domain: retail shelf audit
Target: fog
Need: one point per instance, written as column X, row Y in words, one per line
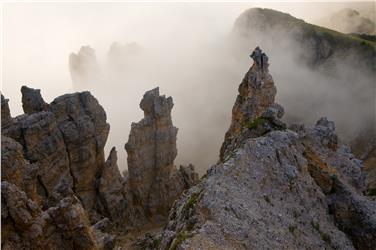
column 182, row 48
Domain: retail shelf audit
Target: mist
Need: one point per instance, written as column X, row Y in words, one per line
column 187, row 51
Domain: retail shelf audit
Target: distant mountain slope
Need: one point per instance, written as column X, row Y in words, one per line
column 320, row 45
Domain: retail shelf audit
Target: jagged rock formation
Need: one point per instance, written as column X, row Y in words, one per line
column 256, row 95
column 152, row 176
column 58, row 192
column 65, row 141
column 290, row 188
column 32, row 100
column 112, row 193
column 52, row 159
column 83, row 66
column 26, row 226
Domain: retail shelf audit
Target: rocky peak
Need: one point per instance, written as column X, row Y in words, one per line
column 255, row 101
column 152, row 176
column 32, row 100
column 156, row 106
column 260, row 59
column 64, row 139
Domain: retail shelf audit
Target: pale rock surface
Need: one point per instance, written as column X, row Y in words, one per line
column 153, row 178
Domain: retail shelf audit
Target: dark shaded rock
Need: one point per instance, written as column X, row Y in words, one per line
column 5, row 112
column 32, row 100
column 111, row 188
column 16, row 170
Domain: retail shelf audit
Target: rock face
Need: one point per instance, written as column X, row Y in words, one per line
column 26, row 226
column 256, row 95
column 296, row 188
column 152, row 176
column 111, row 189
column 65, row 141
column 32, row 100
column 364, row 148
column 5, row 112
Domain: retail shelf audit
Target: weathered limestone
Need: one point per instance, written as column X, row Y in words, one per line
column 65, row 140
column 25, row 226
column 256, row 96
column 111, row 190
column 16, row 170
column 153, row 179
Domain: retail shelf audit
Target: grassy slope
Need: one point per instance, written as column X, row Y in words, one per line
column 269, row 19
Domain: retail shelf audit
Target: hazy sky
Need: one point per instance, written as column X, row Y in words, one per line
column 37, row 39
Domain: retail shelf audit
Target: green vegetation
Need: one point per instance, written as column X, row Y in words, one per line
column 190, row 204
column 324, row 236
column 230, row 155
column 180, row 237
column 287, row 22
column 261, row 122
column 371, row 192
column 252, row 124
column 156, row 243
column 367, row 37
column 292, row 228
column 334, row 178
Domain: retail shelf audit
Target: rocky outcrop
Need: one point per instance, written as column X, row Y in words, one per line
column 32, row 100
column 291, row 188
column 364, row 148
column 111, row 190
column 255, row 100
column 26, row 226
column 5, row 112
column 65, row 140
column 52, row 161
column 16, row 170
column 82, row 122
column 152, row 176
